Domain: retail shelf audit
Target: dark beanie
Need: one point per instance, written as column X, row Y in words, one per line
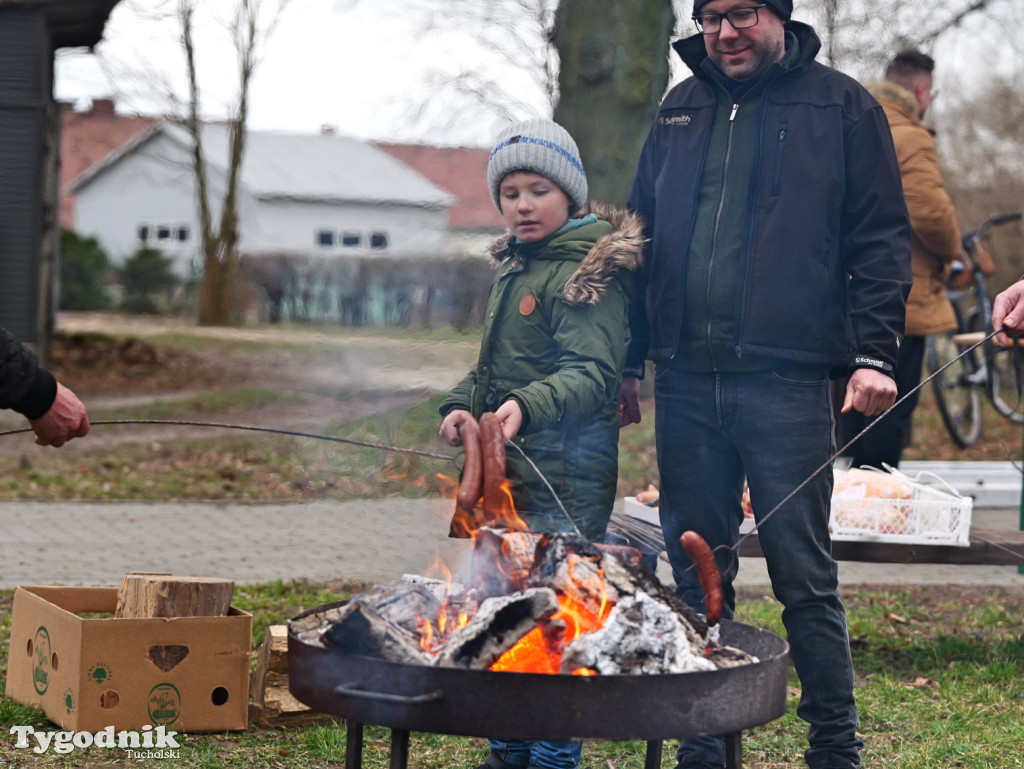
column 783, row 8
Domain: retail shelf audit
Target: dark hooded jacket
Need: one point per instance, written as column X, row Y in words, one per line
column 25, row 386
column 818, row 261
column 555, row 339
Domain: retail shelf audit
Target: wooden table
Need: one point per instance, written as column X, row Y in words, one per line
column 989, row 547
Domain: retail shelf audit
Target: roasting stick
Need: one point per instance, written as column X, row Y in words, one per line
column 541, row 475
column 274, row 430
column 844, row 447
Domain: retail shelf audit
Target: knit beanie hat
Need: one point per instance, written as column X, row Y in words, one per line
column 784, row 8
column 541, row 146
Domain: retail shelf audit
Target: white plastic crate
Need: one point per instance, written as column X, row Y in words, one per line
column 892, row 507
column 640, row 511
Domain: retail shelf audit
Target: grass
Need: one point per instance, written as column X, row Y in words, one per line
column 940, row 670
column 940, row 684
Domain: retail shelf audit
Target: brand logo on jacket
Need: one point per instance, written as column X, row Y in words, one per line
column 674, row 120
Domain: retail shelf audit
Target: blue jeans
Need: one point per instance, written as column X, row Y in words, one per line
column 519, row 754
column 775, row 429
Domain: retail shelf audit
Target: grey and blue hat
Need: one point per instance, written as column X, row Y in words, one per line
column 541, row 146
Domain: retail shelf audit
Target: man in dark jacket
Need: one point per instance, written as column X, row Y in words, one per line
column 779, row 255
column 55, row 413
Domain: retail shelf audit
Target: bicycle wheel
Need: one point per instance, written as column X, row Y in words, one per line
column 1000, row 374
column 1002, row 382
column 957, row 388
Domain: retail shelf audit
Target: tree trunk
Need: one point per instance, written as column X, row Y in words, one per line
column 614, row 71
column 217, row 290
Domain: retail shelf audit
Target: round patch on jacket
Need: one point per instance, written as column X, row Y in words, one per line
column 527, row 304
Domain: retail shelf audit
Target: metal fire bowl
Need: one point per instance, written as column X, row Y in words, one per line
column 484, row 703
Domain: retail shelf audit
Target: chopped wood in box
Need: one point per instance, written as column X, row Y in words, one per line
column 159, row 595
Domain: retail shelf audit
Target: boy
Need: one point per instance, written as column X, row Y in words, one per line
column 554, row 346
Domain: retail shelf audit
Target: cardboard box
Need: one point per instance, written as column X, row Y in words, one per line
column 189, row 674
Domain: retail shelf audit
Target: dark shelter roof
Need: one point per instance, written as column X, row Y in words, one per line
column 72, row 23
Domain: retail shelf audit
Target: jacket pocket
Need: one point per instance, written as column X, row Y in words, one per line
column 779, row 154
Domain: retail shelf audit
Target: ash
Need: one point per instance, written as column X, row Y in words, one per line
column 642, row 636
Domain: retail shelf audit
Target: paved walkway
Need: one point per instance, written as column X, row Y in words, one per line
column 82, row 543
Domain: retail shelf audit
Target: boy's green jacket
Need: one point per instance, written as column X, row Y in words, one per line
column 555, row 337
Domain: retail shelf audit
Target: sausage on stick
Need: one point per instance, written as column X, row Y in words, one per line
column 707, row 571
column 492, row 441
column 471, row 485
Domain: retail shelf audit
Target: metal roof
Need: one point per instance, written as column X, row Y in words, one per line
column 71, row 23
column 295, row 166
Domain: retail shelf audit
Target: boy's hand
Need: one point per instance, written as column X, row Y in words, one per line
column 629, row 401
column 510, row 415
column 450, row 426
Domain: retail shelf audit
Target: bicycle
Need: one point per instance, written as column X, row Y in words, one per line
column 985, row 369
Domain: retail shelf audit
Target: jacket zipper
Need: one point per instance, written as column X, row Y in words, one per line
column 714, row 232
column 744, row 309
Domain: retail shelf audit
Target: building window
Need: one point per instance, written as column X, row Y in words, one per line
column 163, row 232
column 143, row 232
column 325, row 238
column 378, row 240
column 351, row 239
column 181, row 233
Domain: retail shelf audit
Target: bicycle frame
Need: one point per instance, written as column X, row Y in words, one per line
column 958, row 389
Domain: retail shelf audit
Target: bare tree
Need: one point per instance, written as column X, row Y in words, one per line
column 250, row 24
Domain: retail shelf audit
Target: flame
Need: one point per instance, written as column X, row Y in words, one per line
column 505, row 517
column 532, row 654
column 426, row 633
column 583, row 610
column 447, row 486
column 537, row 652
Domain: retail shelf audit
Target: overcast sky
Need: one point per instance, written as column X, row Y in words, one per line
column 356, row 66
column 366, row 67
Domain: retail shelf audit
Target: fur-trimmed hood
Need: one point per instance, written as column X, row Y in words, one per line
column 620, row 249
column 900, row 97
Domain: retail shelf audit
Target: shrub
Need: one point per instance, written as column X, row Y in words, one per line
column 148, row 282
column 83, row 272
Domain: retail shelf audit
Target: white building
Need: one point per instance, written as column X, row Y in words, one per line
column 316, row 195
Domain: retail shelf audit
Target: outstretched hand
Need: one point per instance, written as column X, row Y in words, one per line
column 66, row 419
column 1008, row 313
column 870, row 392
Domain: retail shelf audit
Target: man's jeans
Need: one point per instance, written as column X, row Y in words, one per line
column 775, row 429
column 519, row 754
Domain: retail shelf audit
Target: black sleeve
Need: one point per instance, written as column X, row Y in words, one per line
column 25, row 386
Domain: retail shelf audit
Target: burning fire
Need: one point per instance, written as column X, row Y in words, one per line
column 540, row 652
column 448, row 620
column 582, row 610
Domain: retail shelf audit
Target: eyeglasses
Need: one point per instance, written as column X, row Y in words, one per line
column 739, row 18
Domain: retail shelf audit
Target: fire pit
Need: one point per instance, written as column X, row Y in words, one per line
column 552, row 637
column 405, row 697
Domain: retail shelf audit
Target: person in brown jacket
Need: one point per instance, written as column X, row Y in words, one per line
column 905, row 94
